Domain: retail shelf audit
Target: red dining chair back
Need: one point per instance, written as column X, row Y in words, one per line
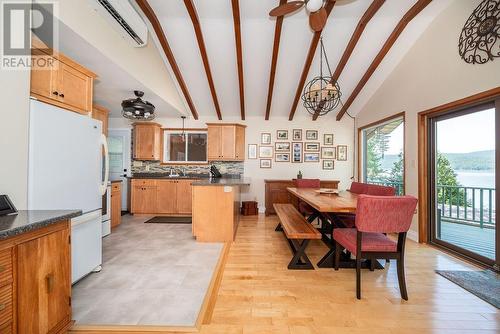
column 308, row 183
column 358, row 188
column 378, row 190
column 375, row 216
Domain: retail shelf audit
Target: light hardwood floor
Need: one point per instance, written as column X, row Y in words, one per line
column 259, row 295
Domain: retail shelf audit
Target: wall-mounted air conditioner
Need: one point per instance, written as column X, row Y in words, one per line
column 124, row 18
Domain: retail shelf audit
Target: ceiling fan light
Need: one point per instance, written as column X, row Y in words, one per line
column 314, row 5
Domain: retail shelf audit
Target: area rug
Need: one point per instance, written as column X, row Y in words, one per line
column 484, row 284
column 169, row 220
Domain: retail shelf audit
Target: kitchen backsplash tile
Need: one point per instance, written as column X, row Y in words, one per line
column 225, row 167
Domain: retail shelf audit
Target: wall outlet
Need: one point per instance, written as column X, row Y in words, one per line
column 146, row 168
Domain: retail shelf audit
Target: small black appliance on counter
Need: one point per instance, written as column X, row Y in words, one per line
column 215, row 172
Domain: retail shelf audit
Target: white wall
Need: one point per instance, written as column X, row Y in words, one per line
column 343, row 135
column 431, row 74
column 14, row 123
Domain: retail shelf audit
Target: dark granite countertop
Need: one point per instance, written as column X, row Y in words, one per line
column 166, row 176
column 29, row 220
column 116, row 181
column 223, row 181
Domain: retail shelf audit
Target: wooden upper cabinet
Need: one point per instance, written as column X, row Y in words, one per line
column 226, row 142
column 65, row 84
column 101, row 114
column 44, row 283
column 148, row 141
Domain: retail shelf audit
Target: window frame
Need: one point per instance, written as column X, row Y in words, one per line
column 179, row 131
column 361, row 145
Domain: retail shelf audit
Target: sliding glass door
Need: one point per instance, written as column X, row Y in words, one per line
column 463, row 170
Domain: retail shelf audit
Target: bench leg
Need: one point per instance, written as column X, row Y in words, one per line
column 300, row 259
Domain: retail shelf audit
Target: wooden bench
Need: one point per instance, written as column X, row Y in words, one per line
column 298, row 233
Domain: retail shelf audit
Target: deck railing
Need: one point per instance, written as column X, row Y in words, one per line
column 459, row 204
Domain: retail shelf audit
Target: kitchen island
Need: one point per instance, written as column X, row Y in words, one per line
column 216, row 208
column 35, row 271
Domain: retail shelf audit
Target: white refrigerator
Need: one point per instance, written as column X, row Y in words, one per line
column 67, row 171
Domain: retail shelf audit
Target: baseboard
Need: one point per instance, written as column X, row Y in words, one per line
column 412, row 235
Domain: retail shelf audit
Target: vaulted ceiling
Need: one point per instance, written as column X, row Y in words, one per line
column 225, row 51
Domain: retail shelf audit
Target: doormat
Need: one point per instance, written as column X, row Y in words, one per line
column 169, row 220
column 484, row 284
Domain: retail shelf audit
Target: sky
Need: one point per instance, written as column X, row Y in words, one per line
column 468, row 133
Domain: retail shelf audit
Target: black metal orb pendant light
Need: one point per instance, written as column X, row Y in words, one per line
column 321, row 94
column 479, row 41
column 138, row 109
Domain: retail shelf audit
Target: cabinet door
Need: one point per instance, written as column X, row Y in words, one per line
column 146, row 145
column 101, row 114
column 158, row 143
column 166, row 196
column 214, row 143
column 75, row 88
column 116, row 205
column 228, row 142
column 43, row 80
column 184, row 196
column 144, row 199
column 240, row 143
column 44, row 283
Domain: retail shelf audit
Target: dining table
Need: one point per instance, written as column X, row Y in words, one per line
column 327, row 205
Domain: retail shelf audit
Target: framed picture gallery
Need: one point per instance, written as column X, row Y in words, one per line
column 328, row 164
column 311, row 147
column 297, row 134
column 266, row 152
column 297, row 150
column 328, row 139
column 282, row 146
column 265, row 138
column 342, row 152
column 265, row 163
column 252, row 151
column 311, row 157
column 282, row 157
column 282, row 135
column 311, row 134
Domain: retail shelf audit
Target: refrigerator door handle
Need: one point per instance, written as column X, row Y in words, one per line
column 104, row 185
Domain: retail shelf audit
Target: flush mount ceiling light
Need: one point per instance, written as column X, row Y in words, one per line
column 138, row 109
column 321, row 94
column 480, row 40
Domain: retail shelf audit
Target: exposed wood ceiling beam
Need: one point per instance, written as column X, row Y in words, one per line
column 307, row 65
column 239, row 53
column 410, row 15
column 367, row 16
column 155, row 23
column 203, row 51
column 274, row 61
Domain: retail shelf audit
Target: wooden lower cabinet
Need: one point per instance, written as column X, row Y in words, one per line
column 276, row 192
column 35, row 281
column 161, row 196
column 116, row 204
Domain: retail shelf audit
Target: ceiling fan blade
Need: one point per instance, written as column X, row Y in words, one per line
column 317, row 20
column 287, row 8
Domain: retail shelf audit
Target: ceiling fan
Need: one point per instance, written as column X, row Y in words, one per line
column 317, row 12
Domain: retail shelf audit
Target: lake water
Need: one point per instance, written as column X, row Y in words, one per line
column 474, row 178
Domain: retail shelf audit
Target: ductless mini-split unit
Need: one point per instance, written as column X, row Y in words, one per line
column 125, row 19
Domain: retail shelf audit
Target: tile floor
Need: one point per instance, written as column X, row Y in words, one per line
column 153, row 274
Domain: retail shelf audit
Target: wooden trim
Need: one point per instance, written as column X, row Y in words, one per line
column 373, row 124
column 274, row 61
column 185, row 129
column 100, row 108
column 146, row 123
column 423, row 151
column 225, row 124
column 410, row 15
column 307, row 65
column 204, row 317
column 367, row 16
column 239, row 53
column 203, row 52
column 155, row 23
column 60, row 104
column 207, row 309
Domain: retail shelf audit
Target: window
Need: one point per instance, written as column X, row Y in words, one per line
column 382, row 154
column 188, row 147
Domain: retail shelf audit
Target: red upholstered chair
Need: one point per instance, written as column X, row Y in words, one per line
column 377, row 190
column 376, row 215
column 305, row 208
column 358, row 188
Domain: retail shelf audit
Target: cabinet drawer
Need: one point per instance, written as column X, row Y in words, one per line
column 5, row 304
column 5, row 266
column 146, row 182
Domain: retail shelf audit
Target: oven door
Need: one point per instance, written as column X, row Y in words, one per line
column 106, row 205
